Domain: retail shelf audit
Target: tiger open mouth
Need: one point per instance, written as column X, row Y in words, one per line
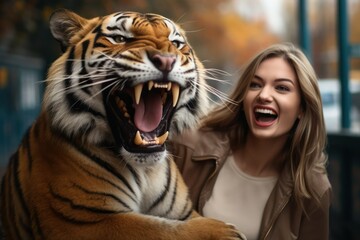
column 140, row 116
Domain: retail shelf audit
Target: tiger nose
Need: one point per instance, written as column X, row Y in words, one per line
column 164, row 62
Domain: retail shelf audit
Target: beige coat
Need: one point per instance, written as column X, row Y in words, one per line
column 200, row 157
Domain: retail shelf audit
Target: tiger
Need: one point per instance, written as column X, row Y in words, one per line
column 94, row 163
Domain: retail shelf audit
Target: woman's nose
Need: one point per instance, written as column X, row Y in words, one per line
column 265, row 95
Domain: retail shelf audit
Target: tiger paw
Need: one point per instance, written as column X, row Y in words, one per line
column 211, row 229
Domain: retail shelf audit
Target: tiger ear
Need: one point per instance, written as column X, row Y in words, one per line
column 64, row 24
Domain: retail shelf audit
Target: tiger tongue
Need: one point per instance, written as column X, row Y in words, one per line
column 148, row 112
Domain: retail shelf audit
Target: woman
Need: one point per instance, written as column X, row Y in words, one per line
column 260, row 164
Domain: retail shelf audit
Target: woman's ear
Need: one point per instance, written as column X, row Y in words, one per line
column 300, row 114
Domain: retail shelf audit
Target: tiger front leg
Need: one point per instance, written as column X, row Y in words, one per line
column 133, row 226
column 212, row 229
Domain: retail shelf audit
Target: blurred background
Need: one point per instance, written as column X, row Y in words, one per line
column 225, row 34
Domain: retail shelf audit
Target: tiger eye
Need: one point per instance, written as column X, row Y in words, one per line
column 178, row 44
column 119, row 39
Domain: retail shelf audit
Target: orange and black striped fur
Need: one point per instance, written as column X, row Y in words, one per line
column 94, row 163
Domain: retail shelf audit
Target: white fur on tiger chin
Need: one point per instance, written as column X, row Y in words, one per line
column 143, row 159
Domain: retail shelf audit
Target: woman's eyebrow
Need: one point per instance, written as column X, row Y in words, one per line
column 285, row 80
column 258, row 77
column 276, row 80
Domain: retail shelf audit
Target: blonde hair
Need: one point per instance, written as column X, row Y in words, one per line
column 307, row 140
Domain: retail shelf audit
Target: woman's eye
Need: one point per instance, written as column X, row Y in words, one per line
column 254, row 85
column 283, row 88
column 178, row 44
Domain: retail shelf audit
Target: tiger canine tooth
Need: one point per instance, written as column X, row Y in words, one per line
column 160, row 140
column 175, row 93
column 138, row 140
column 169, row 85
column 137, row 92
column 150, row 85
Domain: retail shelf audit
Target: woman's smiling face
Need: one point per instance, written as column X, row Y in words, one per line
column 273, row 101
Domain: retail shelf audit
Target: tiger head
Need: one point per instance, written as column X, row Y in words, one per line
column 128, row 79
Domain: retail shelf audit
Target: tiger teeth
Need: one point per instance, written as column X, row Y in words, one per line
column 138, row 140
column 150, row 85
column 162, row 138
column 175, row 93
column 175, row 89
column 161, row 85
column 121, row 105
column 158, row 140
column 137, row 92
column 169, row 85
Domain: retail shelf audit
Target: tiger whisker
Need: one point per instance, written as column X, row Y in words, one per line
column 215, row 72
column 114, row 84
column 54, row 81
column 194, row 31
column 79, row 99
column 217, row 93
column 114, row 87
column 78, row 86
column 222, row 81
column 105, row 55
column 218, row 71
column 221, row 95
column 77, row 72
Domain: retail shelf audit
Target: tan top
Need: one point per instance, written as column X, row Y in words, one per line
column 200, row 156
column 239, row 198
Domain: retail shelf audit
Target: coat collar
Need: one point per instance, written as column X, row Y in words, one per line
column 211, row 145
